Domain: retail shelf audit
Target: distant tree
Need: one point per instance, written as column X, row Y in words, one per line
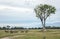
column 0, row 28
column 8, row 27
column 18, row 27
column 4, row 28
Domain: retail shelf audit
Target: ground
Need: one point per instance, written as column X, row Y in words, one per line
column 31, row 34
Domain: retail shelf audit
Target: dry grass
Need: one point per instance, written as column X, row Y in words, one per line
column 33, row 34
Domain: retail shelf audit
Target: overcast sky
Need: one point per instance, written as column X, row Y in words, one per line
column 21, row 13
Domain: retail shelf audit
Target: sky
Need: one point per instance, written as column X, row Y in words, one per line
column 21, row 13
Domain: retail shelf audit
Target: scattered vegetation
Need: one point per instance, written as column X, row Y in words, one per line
column 32, row 34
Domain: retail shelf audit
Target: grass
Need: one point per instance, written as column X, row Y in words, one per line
column 34, row 34
column 4, row 34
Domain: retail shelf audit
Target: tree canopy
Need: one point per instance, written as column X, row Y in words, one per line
column 43, row 11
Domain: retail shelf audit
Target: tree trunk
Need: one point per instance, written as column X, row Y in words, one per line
column 44, row 36
column 44, row 29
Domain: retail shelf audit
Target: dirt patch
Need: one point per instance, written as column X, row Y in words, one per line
column 6, row 38
column 12, row 37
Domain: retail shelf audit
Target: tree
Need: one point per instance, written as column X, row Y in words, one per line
column 43, row 11
column 8, row 26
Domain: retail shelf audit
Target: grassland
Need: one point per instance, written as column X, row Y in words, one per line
column 33, row 34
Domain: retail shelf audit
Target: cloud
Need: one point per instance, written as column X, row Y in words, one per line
column 20, row 11
column 15, row 11
column 33, row 24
